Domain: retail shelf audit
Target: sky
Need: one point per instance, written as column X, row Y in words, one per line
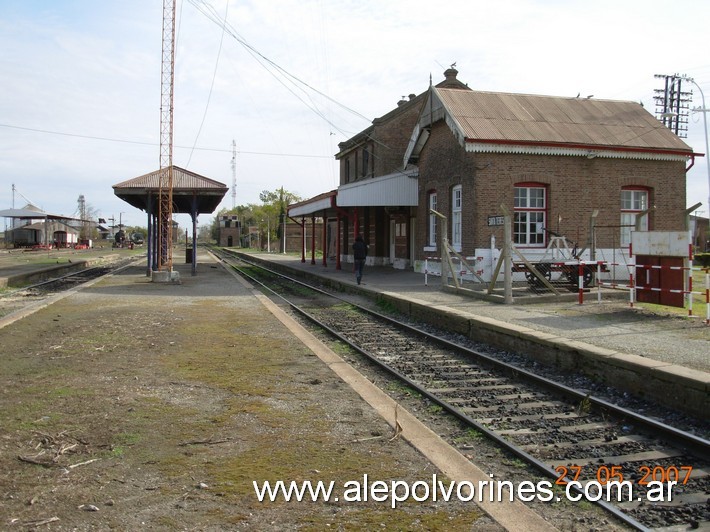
column 287, row 80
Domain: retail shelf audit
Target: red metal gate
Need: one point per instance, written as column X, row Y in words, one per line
column 660, row 280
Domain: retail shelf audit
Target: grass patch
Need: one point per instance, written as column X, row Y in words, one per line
column 398, row 387
column 386, row 306
column 435, row 409
column 469, row 436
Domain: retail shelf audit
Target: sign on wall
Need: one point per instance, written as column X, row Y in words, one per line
column 496, row 220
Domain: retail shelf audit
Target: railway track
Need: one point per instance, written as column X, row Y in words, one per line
column 19, row 298
column 579, row 441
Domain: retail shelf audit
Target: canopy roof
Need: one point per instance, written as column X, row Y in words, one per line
column 190, row 191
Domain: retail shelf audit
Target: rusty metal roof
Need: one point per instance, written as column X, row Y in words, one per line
column 510, row 118
column 189, row 190
column 182, row 179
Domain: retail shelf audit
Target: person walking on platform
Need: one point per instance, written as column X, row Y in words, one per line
column 359, row 254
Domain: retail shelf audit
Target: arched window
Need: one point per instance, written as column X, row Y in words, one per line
column 634, row 200
column 530, row 217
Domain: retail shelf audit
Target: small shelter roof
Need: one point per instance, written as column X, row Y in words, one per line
column 143, row 191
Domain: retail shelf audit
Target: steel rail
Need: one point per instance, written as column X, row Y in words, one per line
column 112, row 268
column 537, row 464
column 681, row 438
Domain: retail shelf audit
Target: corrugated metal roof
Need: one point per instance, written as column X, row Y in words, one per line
column 491, row 116
column 182, row 179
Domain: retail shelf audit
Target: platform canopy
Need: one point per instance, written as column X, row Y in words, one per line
column 192, row 193
column 313, row 205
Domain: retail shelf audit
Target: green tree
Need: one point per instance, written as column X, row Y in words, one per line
column 267, row 217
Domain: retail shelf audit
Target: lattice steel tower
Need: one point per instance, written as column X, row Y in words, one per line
column 167, row 79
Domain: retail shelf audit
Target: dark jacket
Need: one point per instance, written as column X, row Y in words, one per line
column 359, row 249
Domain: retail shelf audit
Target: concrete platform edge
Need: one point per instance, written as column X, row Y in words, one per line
column 43, row 274
column 687, row 391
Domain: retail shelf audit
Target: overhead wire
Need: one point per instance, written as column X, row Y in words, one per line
column 209, row 96
column 298, row 84
column 144, row 143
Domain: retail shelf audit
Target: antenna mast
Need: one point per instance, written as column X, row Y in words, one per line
column 234, row 174
column 167, row 78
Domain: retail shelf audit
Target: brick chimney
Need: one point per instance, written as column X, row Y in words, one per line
column 450, row 80
column 450, row 74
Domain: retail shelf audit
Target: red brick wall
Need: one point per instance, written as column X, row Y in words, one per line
column 386, row 142
column 576, row 186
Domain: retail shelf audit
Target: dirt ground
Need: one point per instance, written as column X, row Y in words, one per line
column 133, row 404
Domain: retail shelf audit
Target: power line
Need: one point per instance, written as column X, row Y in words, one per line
column 209, row 96
column 143, row 143
column 208, row 11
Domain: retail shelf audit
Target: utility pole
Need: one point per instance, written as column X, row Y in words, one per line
column 673, row 103
column 704, row 110
column 678, row 108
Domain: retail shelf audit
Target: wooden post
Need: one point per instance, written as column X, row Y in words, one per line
column 507, row 256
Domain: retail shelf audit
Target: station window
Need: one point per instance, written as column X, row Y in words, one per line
column 432, row 220
column 456, row 202
column 365, row 161
column 633, row 202
column 530, row 217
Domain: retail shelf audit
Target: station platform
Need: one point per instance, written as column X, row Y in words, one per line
column 649, row 352
column 164, row 405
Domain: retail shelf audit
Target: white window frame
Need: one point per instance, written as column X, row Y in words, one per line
column 530, row 217
column 433, row 223
column 634, row 200
column 456, row 215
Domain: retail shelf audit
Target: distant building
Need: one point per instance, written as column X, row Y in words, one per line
column 230, row 229
column 700, row 233
column 42, row 230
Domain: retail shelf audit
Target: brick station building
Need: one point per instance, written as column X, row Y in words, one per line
column 558, row 165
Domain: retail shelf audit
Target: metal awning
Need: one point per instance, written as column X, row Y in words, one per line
column 400, row 189
column 313, row 205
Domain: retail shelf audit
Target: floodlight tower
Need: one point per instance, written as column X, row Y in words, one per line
column 167, row 79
